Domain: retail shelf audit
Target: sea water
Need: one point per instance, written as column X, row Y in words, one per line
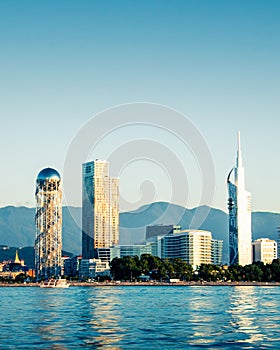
column 136, row 317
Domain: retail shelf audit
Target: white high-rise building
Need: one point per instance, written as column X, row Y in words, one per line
column 193, row 246
column 264, row 250
column 239, row 205
column 100, row 210
column 200, row 247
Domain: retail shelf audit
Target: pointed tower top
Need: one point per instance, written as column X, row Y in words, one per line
column 239, row 155
column 17, row 261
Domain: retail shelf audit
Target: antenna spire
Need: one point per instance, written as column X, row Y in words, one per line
column 239, row 155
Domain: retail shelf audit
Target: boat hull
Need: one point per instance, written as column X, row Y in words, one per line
column 59, row 283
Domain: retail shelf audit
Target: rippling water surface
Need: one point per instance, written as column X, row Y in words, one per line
column 140, row 317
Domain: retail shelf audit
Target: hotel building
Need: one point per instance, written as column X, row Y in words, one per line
column 193, row 246
column 239, row 206
column 264, row 250
column 100, row 210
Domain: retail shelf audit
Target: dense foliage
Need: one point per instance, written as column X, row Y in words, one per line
column 131, row 268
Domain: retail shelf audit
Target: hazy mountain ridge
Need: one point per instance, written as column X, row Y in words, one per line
column 17, row 224
column 17, row 227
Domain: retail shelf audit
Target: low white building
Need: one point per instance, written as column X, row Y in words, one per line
column 265, row 250
column 121, row 251
column 93, row 268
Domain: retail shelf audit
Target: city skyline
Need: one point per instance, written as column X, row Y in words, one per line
column 167, row 249
column 214, row 62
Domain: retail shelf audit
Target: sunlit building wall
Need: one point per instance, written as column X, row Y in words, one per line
column 200, row 247
column 264, row 250
column 193, row 246
column 48, row 240
column 100, row 210
column 114, row 211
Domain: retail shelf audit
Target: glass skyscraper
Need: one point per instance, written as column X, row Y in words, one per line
column 100, row 210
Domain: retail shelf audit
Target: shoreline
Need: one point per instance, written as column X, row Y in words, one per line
column 152, row 284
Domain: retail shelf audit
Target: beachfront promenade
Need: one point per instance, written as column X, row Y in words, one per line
column 150, row 284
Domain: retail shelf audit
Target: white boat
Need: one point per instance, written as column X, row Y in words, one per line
column 55, row 283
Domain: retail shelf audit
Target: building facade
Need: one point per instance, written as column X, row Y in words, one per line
column 239, row 206
column 93, row 268
column 264, row 250
column 72, row 266
column 48, row 240
column 121, row 251
column 100, row 210
column 193, row 246
column 154, row 235
column 200, row 249
column 217, row 251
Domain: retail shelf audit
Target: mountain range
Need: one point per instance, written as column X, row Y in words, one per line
column 17, row 224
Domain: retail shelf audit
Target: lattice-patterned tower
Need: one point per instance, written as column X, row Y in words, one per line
column 48, row 241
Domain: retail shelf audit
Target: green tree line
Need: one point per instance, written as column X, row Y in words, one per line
column 130, row 268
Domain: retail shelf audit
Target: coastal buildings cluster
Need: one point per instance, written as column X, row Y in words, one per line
column 100, row 228
column 15, row 269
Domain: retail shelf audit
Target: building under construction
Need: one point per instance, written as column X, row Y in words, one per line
column 48, row 241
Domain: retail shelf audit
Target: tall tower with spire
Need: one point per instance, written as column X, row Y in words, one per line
column 239, row 206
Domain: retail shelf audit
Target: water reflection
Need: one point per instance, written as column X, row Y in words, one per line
column 102, row 327
column 140, row 317
column 49, row 324
column 206, row 316
column 243, row 311
column 90, row 313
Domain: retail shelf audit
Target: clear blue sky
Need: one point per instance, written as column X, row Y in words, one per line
column 217, row 62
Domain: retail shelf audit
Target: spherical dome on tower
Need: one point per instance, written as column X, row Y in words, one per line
column 48, row 173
